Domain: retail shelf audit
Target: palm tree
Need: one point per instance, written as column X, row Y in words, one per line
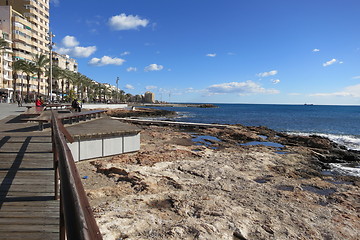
column 98, row 91
column 82, row 84
column 65, row 80
column 105, row 90
column 122, row 95
column 128, row 97
column 69, row 80
column 93, row 90
column 57, row 75
column 41, row 62
column 87, row 83
column 17, row 66
column 29, row 69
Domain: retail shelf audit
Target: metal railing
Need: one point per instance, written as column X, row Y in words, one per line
column 77, row 221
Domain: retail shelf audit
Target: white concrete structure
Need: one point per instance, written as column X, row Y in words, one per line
column 103, row 137
column 103, row 147
column 97, row 106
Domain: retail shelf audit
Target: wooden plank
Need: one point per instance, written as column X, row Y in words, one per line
column 28, row 228
column 29, row 180
column 30, row 236
column 34, row 214
column 26, row 156
column 33, row 205
column 47, row 220
column 34, row 209
column 30, row 174
column 52, row 203
column 24, row 166
column 20, row 188
column 48, row 210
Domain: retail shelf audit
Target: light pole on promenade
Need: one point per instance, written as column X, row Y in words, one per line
column 117, row 88
column 51, row 70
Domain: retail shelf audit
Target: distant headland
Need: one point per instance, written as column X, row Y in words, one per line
column 201, row 105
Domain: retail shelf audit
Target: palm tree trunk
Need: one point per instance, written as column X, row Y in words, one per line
column 14, row 94
column 27, row 87
column 62, row 90
column 38, row 89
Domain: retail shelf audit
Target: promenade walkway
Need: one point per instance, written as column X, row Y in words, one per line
column 27, row 206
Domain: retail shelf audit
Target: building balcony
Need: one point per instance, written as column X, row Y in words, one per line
column 7, row 77
column 22, row 46
column 20, row 20
column 7, row 68
column 33, row 11
column 8, row 50
column 20, row 38
column 7, row 58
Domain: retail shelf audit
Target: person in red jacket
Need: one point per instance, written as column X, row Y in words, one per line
column 39, row 102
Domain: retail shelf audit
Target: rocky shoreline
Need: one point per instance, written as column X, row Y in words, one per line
column 140, row 112
column 233, row 183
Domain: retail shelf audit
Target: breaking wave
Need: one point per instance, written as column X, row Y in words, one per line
column 351, row 142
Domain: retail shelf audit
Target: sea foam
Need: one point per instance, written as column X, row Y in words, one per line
column 351, row 142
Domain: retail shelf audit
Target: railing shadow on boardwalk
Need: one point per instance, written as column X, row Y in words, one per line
column 16, row 124
column 12, row 171
column 16, row 119
column 27, row 206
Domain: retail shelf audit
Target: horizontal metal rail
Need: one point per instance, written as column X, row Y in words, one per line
column 77, row 221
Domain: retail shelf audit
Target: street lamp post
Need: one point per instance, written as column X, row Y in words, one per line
column 117, row 88
column 50, row 71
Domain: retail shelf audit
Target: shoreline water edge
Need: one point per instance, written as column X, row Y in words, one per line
column 337, row 123
column 237, row 182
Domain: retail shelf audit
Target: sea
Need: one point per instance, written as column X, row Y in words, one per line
column 340, row 124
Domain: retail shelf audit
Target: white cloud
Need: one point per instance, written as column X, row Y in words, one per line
column 351, row 91
column 211, row 55
column 128, row 86
column 69, row 42
column 106, row 60
column 316, row 50
column 131, row 69
column 328, row 63
column 63, row 50
column 192, row 90
column 267, row 74
column 150, row 87
column 124, row 22
column 70, row 46
column 82, row 52
column 153, row 67
column 240, row 88
column 275, row 81
column 125, row 53
column 356, row 77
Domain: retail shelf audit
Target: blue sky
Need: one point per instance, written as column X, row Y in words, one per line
column 217, row 51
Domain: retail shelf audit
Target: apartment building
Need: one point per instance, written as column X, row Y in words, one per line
column 27, row 23
column 5, row 68
column 64, row 62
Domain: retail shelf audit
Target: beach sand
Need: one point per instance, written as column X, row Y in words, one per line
column 174, row 188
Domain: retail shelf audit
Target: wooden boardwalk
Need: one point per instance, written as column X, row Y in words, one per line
column 27, row 206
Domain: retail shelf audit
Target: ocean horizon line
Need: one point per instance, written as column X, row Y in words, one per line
column 285, row 104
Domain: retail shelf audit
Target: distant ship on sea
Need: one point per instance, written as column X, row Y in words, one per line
column 308, row 104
